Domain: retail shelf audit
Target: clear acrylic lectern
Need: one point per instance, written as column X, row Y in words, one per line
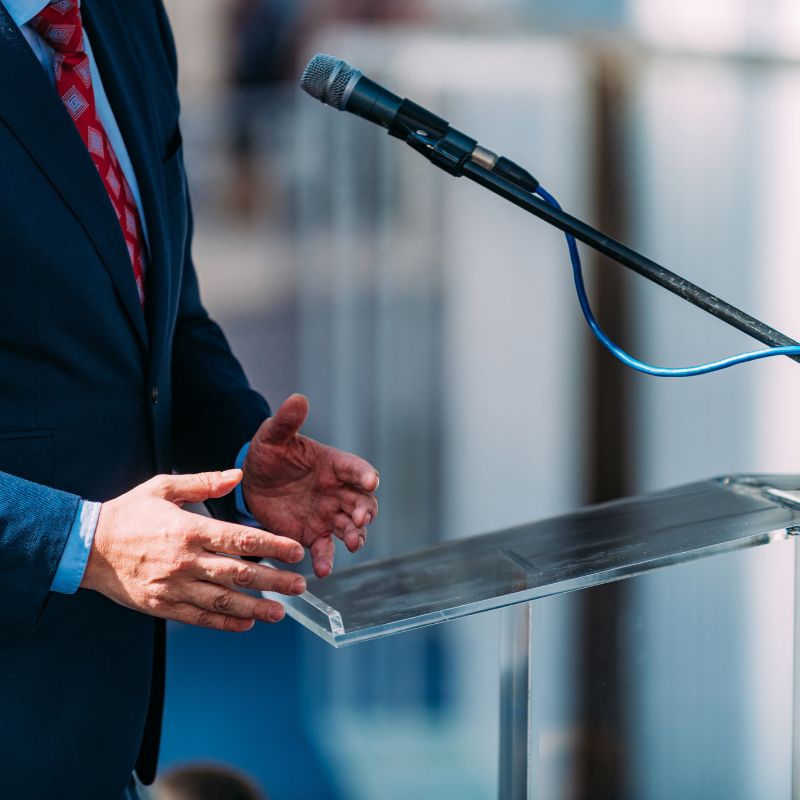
column 511, row 569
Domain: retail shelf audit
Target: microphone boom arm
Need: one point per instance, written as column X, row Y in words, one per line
column 456, row 155
column 627, row 257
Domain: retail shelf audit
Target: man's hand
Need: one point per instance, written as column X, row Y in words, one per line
column 151, row 556
column 305, row 490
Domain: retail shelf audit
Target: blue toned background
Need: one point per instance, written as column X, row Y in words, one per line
column 240, row 700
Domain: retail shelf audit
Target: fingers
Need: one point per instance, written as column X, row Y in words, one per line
column 362, row 508
column 195, row 488
column 346, row 530
column 355, row 471
column 365, row 511
column 322, row 552
column 287, row 421
column 240, row 540
column 236, row 574
column 216, row 599
column 192, row 615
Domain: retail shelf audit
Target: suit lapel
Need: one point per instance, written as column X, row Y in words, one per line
column 34, row 113
column 120, row 68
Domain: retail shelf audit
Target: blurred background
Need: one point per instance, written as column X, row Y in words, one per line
column 436, row 332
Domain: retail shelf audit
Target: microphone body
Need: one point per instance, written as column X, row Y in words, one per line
column 371, row 101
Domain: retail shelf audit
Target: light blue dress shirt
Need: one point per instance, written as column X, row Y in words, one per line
column 245, row 517
column 72, row 566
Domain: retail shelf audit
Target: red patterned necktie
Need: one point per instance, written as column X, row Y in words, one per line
column 59, row 24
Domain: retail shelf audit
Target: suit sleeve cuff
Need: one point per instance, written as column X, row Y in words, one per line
column 69, row 573
column 243, row 515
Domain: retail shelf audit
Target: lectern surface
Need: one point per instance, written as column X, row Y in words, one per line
column 594, row 545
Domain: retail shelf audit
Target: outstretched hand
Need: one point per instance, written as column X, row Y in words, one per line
column 152, row 556
column 305, row 490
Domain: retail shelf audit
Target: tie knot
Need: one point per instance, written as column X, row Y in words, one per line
column 59, row 24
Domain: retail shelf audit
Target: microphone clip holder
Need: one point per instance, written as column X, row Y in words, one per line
column 449, row 153
column 432, row 137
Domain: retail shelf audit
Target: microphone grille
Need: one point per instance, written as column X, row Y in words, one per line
column 326, row 79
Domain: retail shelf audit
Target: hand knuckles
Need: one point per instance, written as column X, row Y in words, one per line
column 223, row 601
column 189, row 532
column 160, row 589
column 246, row 542
column 154, row 603
column 229, row 624
column 245, row 576
column 181, row 562
column 205, row 619
column 184, row 536
column 161, row 483
column 206, row 481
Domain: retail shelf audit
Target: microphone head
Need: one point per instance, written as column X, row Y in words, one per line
column 327, row 78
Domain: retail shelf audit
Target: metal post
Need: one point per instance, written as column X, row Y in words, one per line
column 796, row 673
column 515, row 761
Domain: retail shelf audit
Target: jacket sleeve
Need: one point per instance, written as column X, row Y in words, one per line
column 35, row 522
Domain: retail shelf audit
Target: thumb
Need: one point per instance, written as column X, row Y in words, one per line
column 288, row 420
column 200, row 486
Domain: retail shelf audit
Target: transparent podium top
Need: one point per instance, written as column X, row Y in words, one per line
column 585, row 548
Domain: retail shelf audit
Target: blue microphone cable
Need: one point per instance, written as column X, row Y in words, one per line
column 629, row 360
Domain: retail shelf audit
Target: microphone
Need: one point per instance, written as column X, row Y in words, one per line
column 337, row 84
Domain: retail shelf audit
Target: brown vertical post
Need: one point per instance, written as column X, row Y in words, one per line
column 602, row 769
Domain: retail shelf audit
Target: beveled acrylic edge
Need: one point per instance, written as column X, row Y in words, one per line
column 336, row 635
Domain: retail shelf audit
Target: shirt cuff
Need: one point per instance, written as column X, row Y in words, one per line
column 243, row 515
column 69, row 573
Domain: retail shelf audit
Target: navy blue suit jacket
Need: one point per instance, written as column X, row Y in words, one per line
column 95, row 397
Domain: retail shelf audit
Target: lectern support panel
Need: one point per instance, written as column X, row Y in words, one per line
column 511, row 568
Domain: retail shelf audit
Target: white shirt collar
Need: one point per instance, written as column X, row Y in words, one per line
column 23, row 11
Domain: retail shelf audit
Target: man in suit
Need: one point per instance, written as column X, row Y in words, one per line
column 112, row 372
